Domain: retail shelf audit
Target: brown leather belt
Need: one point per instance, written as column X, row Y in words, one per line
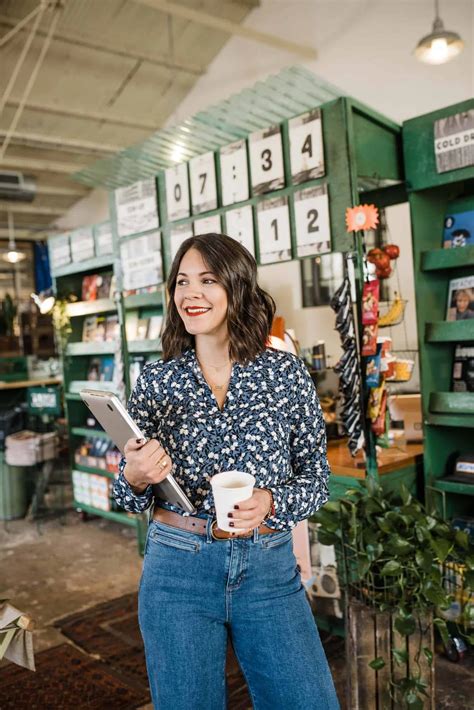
column 199, row 525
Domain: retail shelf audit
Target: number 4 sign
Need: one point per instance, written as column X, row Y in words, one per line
column 306, row 147
column 313, row 232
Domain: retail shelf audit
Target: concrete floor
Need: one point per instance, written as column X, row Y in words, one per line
column 53, row 569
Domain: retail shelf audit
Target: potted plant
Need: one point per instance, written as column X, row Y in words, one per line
column 402, row 570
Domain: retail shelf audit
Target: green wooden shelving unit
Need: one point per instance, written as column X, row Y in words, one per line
column 448, row 416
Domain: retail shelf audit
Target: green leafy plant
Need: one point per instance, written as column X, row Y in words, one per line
column 395, row 556
column 62, row 322
column 8, row 314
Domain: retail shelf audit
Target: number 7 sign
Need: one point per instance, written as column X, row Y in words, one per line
column 202, row 173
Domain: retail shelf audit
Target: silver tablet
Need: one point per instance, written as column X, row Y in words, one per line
column 112, row 415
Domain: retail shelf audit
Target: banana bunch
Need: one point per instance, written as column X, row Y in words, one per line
column 394, row 314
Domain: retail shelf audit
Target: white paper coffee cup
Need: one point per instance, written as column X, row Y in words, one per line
column 229, row 488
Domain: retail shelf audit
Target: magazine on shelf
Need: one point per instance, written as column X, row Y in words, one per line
column 460, row 299
column 154, row 327
column 459, row 224
column 142, row 329
column 463, row 368
column 112, row 327
column 96, row 286
column 101, row 369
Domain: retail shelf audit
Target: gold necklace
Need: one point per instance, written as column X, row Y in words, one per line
column 214, row 385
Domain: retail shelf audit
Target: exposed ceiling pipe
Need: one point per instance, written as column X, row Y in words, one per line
column 6, row 38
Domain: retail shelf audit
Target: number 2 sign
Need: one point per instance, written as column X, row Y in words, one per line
column 202, row 172
column 266, row 160
column 306, row 147
column 313, row 232
column 274, row 230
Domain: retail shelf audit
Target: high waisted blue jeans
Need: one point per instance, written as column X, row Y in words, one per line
column 195, row 590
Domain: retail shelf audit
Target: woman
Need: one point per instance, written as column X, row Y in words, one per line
column 220, row 400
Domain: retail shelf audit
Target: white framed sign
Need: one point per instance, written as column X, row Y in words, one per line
column 313, row 230
column 103, row 239
column 59, row 250
column 177, row 192
column 141, row 261
column 178, row 235
column 205, row 225
column 234, row 173
column 266, row 160
column 274, row 236
column 137, row 208
column 306, row 146
column 82, row 244
column 202, row 174
column 454, row 141
column 239, row 226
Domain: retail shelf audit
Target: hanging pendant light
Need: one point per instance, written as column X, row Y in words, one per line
column 441, row 45
column 12, row 255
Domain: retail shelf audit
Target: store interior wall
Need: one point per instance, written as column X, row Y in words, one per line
column 365, row 48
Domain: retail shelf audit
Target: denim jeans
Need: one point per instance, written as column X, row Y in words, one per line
column 195, row 590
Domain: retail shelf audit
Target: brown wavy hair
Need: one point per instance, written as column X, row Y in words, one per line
column 250, row 310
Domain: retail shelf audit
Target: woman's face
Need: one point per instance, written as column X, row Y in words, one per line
column 201, row 301
column 462, row 302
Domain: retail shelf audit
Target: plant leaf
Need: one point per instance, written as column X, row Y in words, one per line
column 400, row 656
column 392, row 567
column 405, row 626
column 443, row 629
column 462, row 539
column 377, row 663
column 469, row 579
column 442, row 548
column 428, row 655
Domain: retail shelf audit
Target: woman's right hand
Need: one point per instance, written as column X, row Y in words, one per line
column 147, row 463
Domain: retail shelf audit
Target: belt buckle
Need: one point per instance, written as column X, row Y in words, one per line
column 232, row 536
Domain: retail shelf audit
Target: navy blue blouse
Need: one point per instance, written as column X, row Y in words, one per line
column 271, row 426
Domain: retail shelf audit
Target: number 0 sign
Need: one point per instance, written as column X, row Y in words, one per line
column 306, row 147
column 313, row 232
column 274, row 230
column 177, row 192
column 202, row 172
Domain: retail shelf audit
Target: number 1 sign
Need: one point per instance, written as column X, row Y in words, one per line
column 266, row 160
column 274, row 230
column 313, row 232
column 306, row 147
column 202, row 172
column 177, row 192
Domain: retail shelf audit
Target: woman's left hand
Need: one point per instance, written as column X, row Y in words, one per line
column 250, row 513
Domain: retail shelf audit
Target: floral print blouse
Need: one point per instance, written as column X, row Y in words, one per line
column 271, row 426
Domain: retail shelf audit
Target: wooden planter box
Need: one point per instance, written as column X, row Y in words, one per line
column 371, row 634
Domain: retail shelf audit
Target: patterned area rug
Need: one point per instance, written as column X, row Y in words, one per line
column 67, row 678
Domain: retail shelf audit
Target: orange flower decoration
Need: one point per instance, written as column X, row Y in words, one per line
column 361, row 217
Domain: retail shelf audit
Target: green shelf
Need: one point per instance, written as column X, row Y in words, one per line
column 110, row 514
column 144, row 346
column 93, row 348
column 454, row 487
column 76, row 386
column 449, row 331
column 451, row 420
column 84, row 431
column 143, row 299
column 90, row 308
column 93, row 469
column 98, row 262
column 452, row 403
column 441, row 259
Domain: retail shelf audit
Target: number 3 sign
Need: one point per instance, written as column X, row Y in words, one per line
column 306, row 147
column 266, row 160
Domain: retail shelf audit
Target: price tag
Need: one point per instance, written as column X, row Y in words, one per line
column 82, row 244
column 141, row 262
column 202, row 173
column 313, row 231
column 178, row 235
column 274, row 230
column 177, row 192
column 234, row 173
column 207, row 225
column 306, row 146
column 59, row 250
column 137, row 208
column 266, row 160
column 103, row 239
column 239, row 226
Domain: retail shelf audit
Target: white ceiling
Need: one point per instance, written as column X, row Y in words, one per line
column 115, row 71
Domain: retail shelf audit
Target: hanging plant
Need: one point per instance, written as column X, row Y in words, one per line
column 62, row 323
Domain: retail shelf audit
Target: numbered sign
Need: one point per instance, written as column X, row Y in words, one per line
column 266, row 160
column 59, row 251
column 239, row 226
column 306, row 146
column 234, row 173
column 82, row 244
column 274, row 230
column 103, row 239
column 206, row 225
column 137, row 208
column 178, row 235
column 141, row 262
column 177, row 192
column 313, row 231
column 202, row 173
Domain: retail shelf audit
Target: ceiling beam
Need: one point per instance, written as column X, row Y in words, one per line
column 126, row 53
column 229, row 27
column 45, row 166
column 63, row 144
column 60, row 191
column 30, row 235
column 88, row 115
column 20, row 208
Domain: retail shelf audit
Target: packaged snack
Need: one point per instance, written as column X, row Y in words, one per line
column 369, row 339
column 372, row 369
column 370, row 302
column 378, row 426
column 375, row 402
